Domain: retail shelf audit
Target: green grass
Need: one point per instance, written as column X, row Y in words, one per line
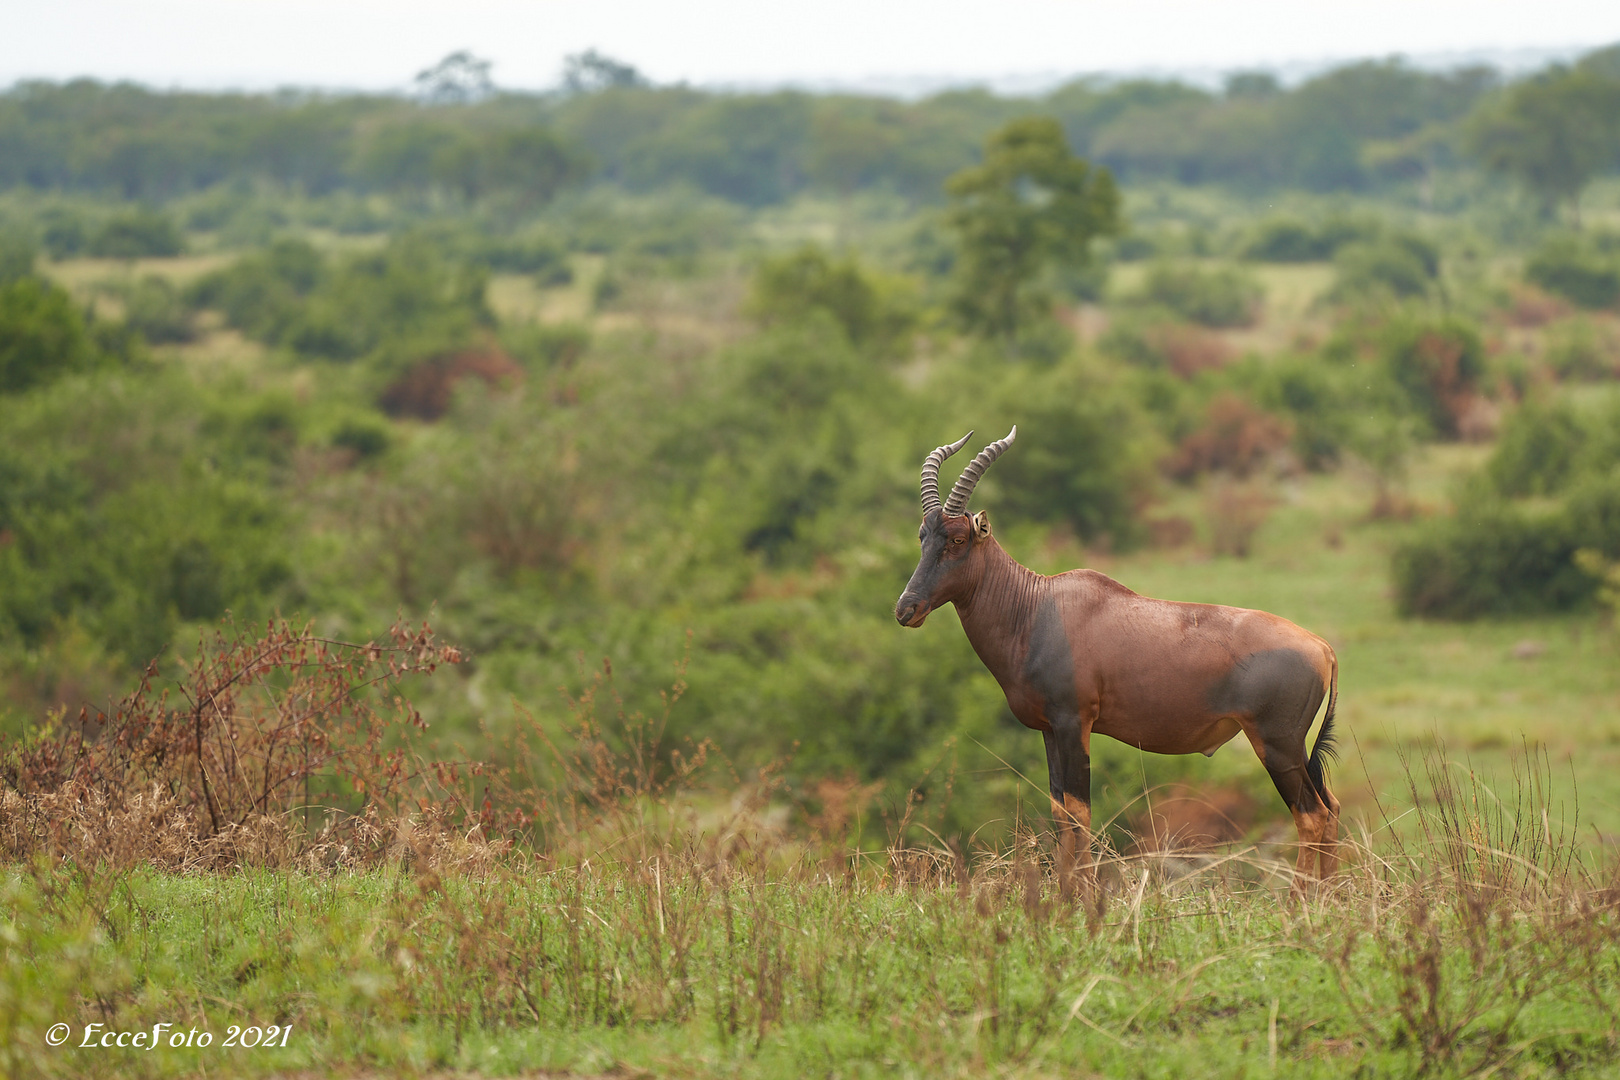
column 731, row 962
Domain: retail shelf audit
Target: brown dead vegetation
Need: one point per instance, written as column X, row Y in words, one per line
column 426, row 390
column 266, row 751
column 1236, row 437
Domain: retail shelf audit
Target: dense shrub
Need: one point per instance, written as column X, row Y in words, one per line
column 1220, row 296
column 155, row 309
column 1399, row 265
column 1154, row 339
column 1234, row 437
column 1079, row 461
column 544, row 260
column 1539, row 449
column 42, row 334
column 64, row 233
column 261, row 294
column 1577, row 349
column 1578, row 272
column 1290, row 240
column 364, row 436
column 1324, row 402
column 398, row 305
column 1438, row 366
column 1498, row 559
column 1287, row 241
column 134, row 525
column 1496, row 556
column 539, row 255
column 137, row 234
column 17, row 255
column 872, row 312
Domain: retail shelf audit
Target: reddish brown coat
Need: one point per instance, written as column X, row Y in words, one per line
column 1078, row 653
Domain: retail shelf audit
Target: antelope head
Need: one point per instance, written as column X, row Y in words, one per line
column 951, row 561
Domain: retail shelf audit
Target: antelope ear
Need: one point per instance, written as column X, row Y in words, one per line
column 981, row 524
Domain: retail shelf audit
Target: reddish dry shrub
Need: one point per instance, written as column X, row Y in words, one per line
column 258, row 741
column 1529, row 307
column 426, row 390
column 1187, row 350
column 1185, row 818
column 1479, row 420
column 1236, row 437
column 1440, row 367
column 1235, row 513
column 1172, row 531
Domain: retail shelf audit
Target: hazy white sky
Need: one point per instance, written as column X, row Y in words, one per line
column 380, row 44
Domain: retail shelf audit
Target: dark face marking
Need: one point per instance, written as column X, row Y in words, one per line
column 1049, row 668
column 1274, row 683
column 940, row 570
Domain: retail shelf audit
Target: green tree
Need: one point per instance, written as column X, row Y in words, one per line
column 1552, row 134
column 1029, row 205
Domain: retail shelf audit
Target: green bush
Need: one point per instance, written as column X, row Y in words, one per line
column 1220, row 296
column 42, row 335
column 17, row 256
column 871, row 311
column 262, row 294
column 367, row 437
column 1539, row 449
column 1286, row 241
column 397, row 305
column 1323, row 400
column 1079, row 459
column 543, row 259
column 1498, row 559
column 65, row 234
column 154, row 308
column 1290, row 240
column 138, row 234
column 1576, row 350
column 545, row 346
column 1578, row 272
column 1437, row 365
column 133, row 524
column 1400, row 265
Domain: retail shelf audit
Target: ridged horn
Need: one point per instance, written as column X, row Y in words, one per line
column 930, row 472
column 963, row 491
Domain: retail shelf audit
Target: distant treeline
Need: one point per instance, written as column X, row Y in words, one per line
column 1354, row 128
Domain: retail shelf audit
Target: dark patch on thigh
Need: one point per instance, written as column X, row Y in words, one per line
column 1049, row 668
column 1273, row 683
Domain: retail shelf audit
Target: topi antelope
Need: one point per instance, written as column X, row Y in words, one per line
column 1078, row 653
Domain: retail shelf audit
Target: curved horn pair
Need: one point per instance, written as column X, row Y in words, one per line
column 963, row 489
column 930, row 473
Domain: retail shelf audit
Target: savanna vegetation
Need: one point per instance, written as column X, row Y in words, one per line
column 624, row 389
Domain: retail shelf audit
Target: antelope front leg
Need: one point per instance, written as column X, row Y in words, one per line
column 1068, row 768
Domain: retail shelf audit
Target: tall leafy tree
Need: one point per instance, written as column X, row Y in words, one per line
column 1031, row 204
column 1553, row 134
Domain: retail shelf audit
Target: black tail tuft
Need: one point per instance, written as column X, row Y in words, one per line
column 1325, row 750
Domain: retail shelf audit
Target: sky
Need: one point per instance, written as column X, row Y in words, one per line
column 898, row 44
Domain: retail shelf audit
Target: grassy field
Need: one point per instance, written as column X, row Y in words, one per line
column 742, row 953
column 717, row 932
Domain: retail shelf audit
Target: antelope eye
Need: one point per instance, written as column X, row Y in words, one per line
column 958, row 539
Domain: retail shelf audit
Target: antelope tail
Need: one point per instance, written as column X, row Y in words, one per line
column 1325, row 750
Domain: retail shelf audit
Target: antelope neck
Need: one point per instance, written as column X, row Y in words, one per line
column 998, row 614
